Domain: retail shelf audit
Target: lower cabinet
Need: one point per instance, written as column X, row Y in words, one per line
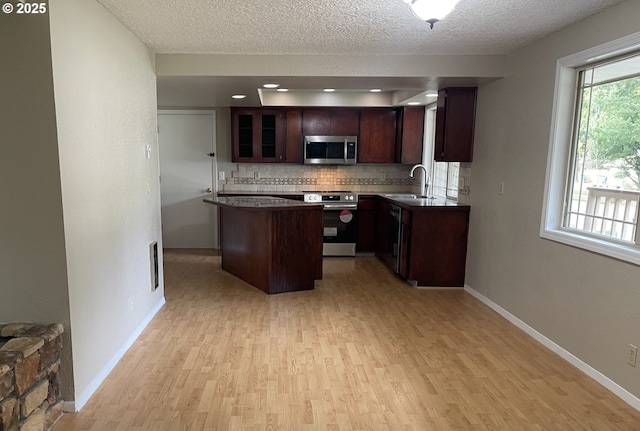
column 430, row 243
column 434, row 242
column 366, row 224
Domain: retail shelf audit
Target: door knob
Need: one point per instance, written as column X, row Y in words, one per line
column 209, row 190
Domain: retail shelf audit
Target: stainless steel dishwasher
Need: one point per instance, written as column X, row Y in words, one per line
column 395, row 236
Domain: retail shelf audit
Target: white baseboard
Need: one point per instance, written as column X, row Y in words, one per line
column 596, row 375
column 81, row 400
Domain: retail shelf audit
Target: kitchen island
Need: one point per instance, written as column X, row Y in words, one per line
column 274, row 244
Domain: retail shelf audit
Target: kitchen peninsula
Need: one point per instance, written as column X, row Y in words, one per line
column 274, row 244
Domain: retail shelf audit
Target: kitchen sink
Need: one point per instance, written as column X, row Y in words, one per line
column 403, row 196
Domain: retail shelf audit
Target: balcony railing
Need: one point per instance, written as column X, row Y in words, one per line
column 608, row 212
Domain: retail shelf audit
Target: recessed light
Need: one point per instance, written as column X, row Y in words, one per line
column 413, row 103
column 329, row 90
column 375, row 90
column 282, row 89
column 431, row 94
column 271, row 85
column 238, row 96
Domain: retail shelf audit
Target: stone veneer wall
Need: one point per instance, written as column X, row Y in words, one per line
column 30, row 376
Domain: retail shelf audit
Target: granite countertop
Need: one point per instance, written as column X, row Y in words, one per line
column 414, row 201
column 399, row 198
column 265, row 202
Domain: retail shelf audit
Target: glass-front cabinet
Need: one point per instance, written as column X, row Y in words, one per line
column 258, row 135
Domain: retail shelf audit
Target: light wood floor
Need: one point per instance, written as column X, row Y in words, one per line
column 363, row 351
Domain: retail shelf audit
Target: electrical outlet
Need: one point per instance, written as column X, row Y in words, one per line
column 633, row 355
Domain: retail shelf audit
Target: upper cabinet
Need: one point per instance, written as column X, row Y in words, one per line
column 258, row 135
column 276, row 135
column 410, row 135
column 293, row 136
column 455, row 121
column 390, row 135
column 331, row 122
column 377, row 143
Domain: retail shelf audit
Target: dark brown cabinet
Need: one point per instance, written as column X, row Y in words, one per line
column 434, row 246
column 331, row 122
column 410, row 134
column 455, row 123
column 427, row 246
column 377, row 143
column 258, row 135
column 293, row 136
column 366, row 224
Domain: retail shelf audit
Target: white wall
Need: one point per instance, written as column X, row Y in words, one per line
column 33, row 273
column 586, row 303
column 105, row 95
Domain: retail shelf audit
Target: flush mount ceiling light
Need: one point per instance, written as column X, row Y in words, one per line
column 271, row 85
column 282, row 90
column 431, row 11
column 329, row 90
column 375, row 90
column 238, row 96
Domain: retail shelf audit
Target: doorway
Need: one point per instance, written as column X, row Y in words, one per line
column 188, row 174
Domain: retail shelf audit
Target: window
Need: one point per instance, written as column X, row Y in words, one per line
column 445, row 179
column 604, row 182
column 443, row 176
column 592, row 193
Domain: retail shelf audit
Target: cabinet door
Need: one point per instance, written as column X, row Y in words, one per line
column 366, row 224
column 411, row 134
column 316, row 122
column 293, row 138
column 455, row 122
column 377, row 142
column 345, row 122
column 257, row 135
column 330, row 122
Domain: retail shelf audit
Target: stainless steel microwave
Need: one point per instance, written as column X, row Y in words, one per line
column 330, row 150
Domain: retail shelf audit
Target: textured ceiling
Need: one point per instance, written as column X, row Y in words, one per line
column 331, row 27
column 343, row 27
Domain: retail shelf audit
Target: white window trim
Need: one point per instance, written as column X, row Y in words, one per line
column 558, row 159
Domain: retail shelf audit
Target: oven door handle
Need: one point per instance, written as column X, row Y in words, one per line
column 340, row 206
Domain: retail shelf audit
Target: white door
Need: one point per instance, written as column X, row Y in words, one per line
column 188, row 173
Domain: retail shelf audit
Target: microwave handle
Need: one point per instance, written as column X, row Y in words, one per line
column 345, row 146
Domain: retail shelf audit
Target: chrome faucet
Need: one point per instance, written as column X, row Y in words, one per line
column 426, row 179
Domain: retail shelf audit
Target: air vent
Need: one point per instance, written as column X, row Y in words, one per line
column 153, row 257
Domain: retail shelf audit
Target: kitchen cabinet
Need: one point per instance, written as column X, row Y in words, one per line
column 377, row 143
column 331, row 122
column 262, row 236
column 455, row 123
column 257, row 135
column 293, row 136
column 435, row 245
column 366, row 224
column 410, row 135
column 432, row 250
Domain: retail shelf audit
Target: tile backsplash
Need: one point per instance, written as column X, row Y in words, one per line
column 361, row 178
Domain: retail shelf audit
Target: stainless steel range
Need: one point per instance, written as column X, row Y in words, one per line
column 340, row 221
